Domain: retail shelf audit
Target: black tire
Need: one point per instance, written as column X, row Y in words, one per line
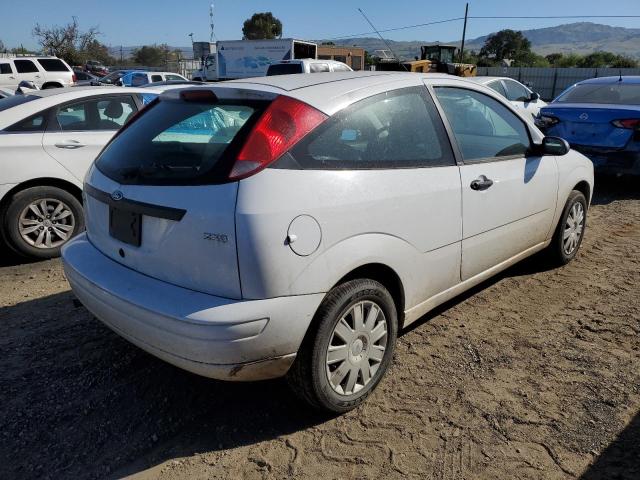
column 51, row 85
column 308, row 375
column 556, row 251
column 21, row 201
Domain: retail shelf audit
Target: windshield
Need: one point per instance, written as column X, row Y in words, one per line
column 611, row 93
column 15, row 100
column 176, row 143
column 284, row 69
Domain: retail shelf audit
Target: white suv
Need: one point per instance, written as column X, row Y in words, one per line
column 44, row 72
column 294, row 224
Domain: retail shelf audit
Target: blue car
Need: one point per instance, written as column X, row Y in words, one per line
column 600, row 118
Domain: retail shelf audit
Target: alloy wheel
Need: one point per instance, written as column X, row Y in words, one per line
column 46, row 223
column 573, row 228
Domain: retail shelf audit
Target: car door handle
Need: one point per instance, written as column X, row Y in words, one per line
column 70, row 144
column 481, row 183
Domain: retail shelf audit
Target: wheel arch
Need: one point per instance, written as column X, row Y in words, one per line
column 51, row 84
column 585, row 189
column 42, row 182
column 384, row 275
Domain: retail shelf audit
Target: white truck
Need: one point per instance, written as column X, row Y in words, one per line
column 231, row 59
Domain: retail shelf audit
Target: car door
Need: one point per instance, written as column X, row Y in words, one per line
column 28, row 71
column 508, row 195
column 7, row 76
column 78, row 130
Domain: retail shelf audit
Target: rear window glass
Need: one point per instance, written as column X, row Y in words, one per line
column 284, row 69
column 53, row 65
column 5, row 68
column 615, row 94
column 176, row 143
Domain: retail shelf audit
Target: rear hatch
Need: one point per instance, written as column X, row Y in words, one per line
column 158, row 199
column 591, row 124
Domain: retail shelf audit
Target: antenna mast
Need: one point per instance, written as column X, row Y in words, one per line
column 212, row 36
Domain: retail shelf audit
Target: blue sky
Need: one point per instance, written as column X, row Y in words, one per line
column 139, row 22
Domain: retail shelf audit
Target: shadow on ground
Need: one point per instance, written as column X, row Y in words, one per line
column 79, row 401
column 621, row 459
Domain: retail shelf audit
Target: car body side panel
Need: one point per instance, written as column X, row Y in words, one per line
column 407, row 219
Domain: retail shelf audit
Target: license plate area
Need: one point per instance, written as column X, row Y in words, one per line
column 125, row 225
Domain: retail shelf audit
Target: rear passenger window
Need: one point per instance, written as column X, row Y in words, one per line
column 396, row 129
column 53, row 65
column 5, row 68
column 483, row 127
column 25, row 66
column 497, row 86
column 156, row 78
column 318, row 67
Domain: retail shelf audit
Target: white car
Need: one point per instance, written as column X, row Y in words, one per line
column 138, row 79
column 294, row 224
column 520, row 96
column 44, row 72
column 306, row 65
column 48, row 140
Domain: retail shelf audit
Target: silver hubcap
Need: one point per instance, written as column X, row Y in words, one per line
column 356, row 348
column 46, row 223
column 573, row 228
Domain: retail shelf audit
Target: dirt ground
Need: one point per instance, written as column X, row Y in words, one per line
column 535, row 374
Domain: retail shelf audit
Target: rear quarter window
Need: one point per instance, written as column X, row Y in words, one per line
column 25, row 66
column 5, row 68
column 53, row 65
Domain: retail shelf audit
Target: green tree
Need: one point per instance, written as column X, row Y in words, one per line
column 553, row 58
column 97, row 51
column 67, row 41
column 2, row 49
column 505, row 44
column 567, row 61
column 262, row 26
column 622, row 61
column 151, row 55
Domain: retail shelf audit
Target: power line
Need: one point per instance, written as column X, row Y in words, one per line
column 482, row 17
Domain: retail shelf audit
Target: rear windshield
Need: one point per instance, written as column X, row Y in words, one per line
column 284, row 69
column 177, row 143
column 53, row 65
column 15, row 100
column 613, row 94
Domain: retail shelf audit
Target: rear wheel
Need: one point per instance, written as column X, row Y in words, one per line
column 40, row 220
column 349, row 348
column 570, row 230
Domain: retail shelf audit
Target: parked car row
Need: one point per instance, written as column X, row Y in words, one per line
column 292, row 225
column 43, row 71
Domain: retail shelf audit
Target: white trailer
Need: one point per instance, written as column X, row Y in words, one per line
column 230, row 59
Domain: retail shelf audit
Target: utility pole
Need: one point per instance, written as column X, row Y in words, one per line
column 464, row 32
column 121, row 58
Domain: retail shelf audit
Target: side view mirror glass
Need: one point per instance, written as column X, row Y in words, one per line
column 555, row 146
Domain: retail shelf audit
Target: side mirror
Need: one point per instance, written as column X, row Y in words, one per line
column 534, row 96
column 555, row 146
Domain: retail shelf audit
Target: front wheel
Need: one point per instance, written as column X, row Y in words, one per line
column 39, row 220
column 570, row 230
column 349, row 348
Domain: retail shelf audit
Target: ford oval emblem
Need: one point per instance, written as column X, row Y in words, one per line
column 584, row 116
column 117, row 195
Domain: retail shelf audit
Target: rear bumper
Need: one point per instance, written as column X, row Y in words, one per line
column 621, row 162
column 208, row 335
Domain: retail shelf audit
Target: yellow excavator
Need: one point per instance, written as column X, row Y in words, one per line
column 433, row 59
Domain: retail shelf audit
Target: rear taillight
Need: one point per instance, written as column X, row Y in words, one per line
column 283, row 124
column 74, row 79
column 629, row 123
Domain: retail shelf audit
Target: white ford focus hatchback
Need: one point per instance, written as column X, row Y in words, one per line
column 292, row 225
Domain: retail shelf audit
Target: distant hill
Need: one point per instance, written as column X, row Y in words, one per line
column 581, row 37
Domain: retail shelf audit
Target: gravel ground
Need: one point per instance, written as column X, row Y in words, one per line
column 535, row 374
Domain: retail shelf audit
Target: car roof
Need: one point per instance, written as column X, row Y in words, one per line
column 632, row 79
column 347, row 80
